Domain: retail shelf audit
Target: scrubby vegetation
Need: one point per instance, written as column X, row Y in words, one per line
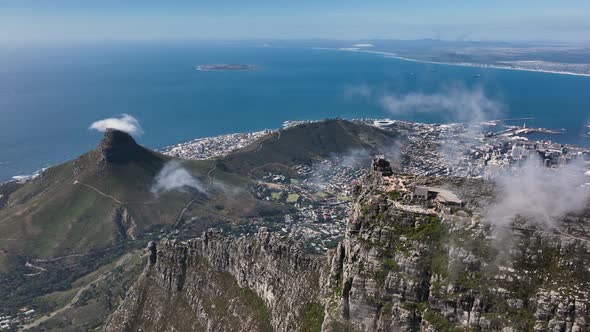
column 313, row 317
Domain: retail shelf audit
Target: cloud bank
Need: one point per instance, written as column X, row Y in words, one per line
column 174, row 176
column 539, row 194
column 125, row 122
column 354, row 159
column 457, row 103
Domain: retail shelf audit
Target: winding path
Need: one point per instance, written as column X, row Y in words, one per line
column 186, row 206
column 98, row 191
column 53, row 259
column 110, row 196
column 197, row 196
column 210, row 180
column 211, row 172
column 76, row 297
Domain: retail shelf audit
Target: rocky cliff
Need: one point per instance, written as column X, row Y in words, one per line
column 119, row 147
column 397, row 269
column 220, row 283
column 400, row 270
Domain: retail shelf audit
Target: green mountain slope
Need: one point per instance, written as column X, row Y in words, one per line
column 104, row 197
column 95, row 201
column 80, row 216
column 306, row 143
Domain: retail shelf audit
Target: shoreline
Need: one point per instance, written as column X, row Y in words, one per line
column 459, row 64
column 286, row 124
column 361, row 48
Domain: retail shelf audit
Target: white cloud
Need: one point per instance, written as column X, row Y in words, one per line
column 175, row 177
column 458, row 103
column 539, row 194
column 125, row 122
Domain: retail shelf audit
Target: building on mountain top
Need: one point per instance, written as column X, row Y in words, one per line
column 381, row 166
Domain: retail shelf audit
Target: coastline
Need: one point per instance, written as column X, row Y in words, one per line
column 21, row 164
column 169, row 149
column 459, row 64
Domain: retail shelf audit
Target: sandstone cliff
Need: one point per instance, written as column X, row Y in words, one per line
column 219, row 283
column 397, row 269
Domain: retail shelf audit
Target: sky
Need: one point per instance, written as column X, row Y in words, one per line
column 500, row 20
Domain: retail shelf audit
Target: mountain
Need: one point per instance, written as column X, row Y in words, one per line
column 309, row 142
column 105, row 197
column 72, row 239
column 397, row 269
column 219, row 283
column 81, row 216
column 88, row 203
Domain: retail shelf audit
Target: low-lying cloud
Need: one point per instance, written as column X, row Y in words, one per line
column 174, row 176
column 358, row 158
column 540, row 195
column 457, row 103
column 125, row 122
column 326, row 170
column 354, row 159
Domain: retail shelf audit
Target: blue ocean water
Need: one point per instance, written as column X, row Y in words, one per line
column 50, row 95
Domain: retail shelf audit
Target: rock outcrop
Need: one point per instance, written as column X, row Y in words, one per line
column 396, row 270
column 119, row 147
column 217, row 282
column 125, row 226
column 399, row 270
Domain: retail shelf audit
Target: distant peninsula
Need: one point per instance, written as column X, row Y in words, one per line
column 226, row 67
column 547, row 57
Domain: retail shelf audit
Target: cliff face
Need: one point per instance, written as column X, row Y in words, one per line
column 218, row 283
column 398, row 269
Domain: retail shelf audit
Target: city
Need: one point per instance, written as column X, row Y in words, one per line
column 321, row 193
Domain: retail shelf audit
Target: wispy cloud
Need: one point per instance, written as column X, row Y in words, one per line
column 125, row 122
column 174, row 176
column 539, row 194
column 456, row 102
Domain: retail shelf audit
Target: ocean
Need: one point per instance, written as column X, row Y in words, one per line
column 50, row 95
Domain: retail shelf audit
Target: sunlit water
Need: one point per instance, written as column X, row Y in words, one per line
column 49, row 96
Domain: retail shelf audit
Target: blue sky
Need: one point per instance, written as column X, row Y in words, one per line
column 516, row 20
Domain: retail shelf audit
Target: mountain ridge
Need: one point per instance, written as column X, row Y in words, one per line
column 79, row 216
column 395, row 270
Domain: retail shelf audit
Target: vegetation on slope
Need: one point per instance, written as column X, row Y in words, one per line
column 306, row 143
